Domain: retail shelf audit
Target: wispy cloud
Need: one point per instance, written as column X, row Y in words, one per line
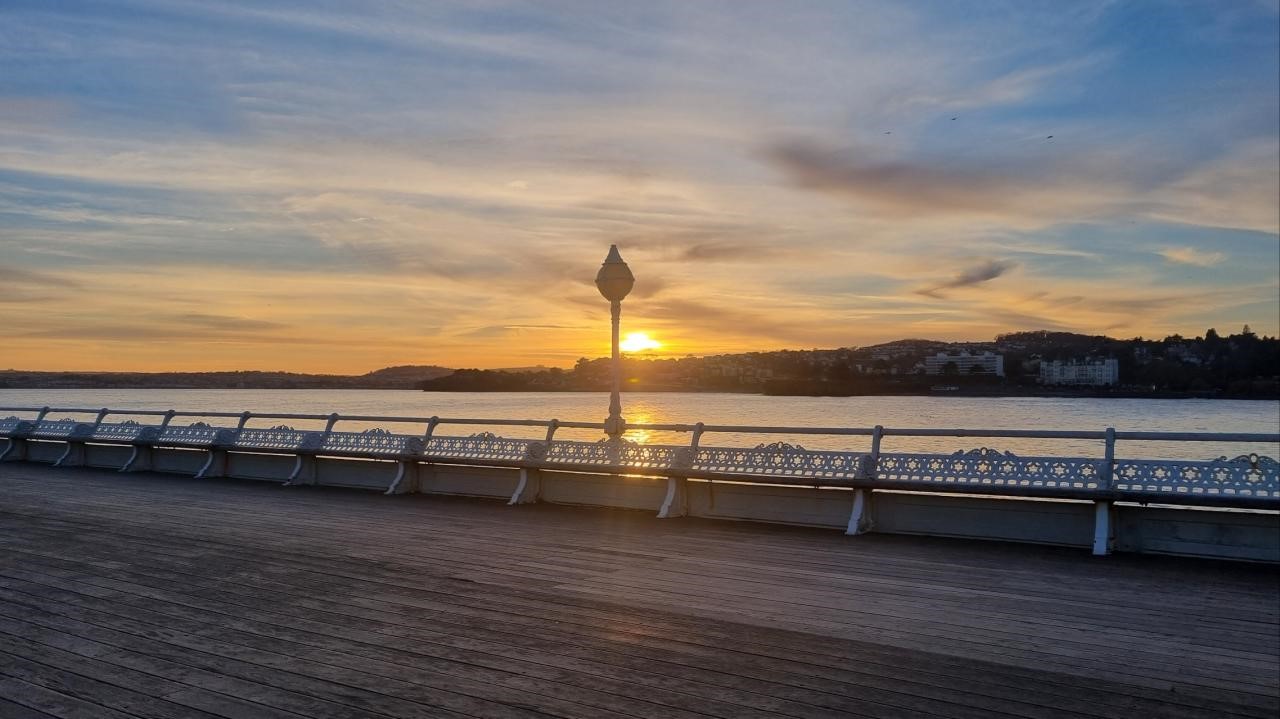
column 1192, row 256
column 1048, row 190
column 969, row 276
column 1236, row 190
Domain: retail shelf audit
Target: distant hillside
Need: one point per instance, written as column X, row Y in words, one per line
column 1240, row 365
column 409, row 374
column 403, row 377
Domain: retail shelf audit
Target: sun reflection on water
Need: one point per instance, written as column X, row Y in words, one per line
column 639, row 436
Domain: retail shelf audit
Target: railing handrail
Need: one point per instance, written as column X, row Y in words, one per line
column 1102, row 435
column 1247, row 481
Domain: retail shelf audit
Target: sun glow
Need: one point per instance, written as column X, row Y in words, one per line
column 638, row 342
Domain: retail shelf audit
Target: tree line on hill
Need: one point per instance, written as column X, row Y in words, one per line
column 1237, row 365
column 402, row 377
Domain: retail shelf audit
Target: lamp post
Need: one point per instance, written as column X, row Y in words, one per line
column 614, row 281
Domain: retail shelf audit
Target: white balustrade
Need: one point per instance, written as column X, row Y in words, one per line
column 1247, row 481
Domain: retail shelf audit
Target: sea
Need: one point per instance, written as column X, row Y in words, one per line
column 1043, row 413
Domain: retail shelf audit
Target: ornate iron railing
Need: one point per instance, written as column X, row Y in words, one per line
column 1247, row 480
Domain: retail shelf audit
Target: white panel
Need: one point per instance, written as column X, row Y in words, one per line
column 787, row 505
column 603, row 490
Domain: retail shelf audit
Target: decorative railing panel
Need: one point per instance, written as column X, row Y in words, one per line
column 372, row 442
column 616, row 453
column 1244, row 476
column 282, row 437
column 197, row 434
column 1251, row 481
column 127, row 432
column 991, row 468
column 482, row 446
column 61, row 429
column 14, row 426
column 780, row 459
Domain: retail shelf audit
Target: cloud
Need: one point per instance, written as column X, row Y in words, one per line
column 1036, row 189
column 733, row 251
column 1191, row 256
column 511, row 330
column 21, row 286
column 10, row 276
column 969, row 277
column 895, row 186
column 715, row 321
column 1236, row 190
column 226, row 323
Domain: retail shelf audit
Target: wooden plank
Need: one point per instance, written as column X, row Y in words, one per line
column 193, row 578
column 11, row 710
column 380, row 675
column 204, row 702
column 1219, row 633
column 311, row 689
column 91, row 690
column 750, row 697
column 150, row 576
column 1189, row 590
column 54, row 703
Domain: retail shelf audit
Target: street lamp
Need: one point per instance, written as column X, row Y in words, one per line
column 614, row 281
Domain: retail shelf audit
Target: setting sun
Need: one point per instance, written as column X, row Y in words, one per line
column 638, row 342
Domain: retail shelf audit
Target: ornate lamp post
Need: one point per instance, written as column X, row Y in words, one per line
column 614, row 281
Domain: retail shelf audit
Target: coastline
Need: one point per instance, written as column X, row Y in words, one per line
column 962, row 392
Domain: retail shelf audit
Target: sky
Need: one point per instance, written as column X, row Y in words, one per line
column 337, row 187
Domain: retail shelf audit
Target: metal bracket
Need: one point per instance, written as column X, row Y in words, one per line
column 860, row 521
column 1103, row 533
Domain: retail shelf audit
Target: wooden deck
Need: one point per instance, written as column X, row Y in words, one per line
column 160, row 596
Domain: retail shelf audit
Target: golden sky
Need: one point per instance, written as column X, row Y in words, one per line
column 192, row 187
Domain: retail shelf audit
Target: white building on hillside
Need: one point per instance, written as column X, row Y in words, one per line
column 965, row 363
column 1096, row 372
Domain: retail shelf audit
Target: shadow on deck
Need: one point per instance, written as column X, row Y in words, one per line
column 160, row 596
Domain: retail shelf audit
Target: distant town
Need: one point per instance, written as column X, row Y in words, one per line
column 1241, row 365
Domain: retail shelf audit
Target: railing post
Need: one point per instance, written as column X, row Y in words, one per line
column 1109, row 465
column 408, row 479
column 860, row 520
column 307, row 469
column 1103, row 510
column 77, row 453
column 144, row 454
column 216, row 465
column 676, row 502
column 18, row 445
column 529, row 488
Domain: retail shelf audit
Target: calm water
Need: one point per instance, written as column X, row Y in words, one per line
column 737, row 409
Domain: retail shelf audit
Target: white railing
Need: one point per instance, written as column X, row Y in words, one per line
column 1248, row 481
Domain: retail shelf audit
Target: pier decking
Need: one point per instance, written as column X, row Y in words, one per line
column 160, row 596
